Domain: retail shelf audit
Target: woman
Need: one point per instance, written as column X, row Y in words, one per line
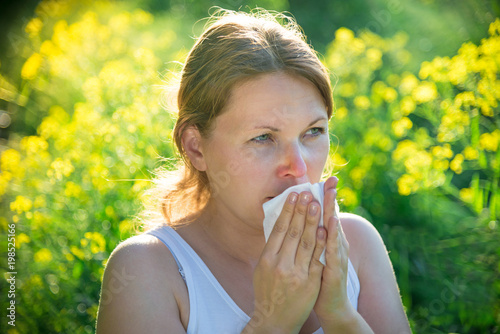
column 254, row 104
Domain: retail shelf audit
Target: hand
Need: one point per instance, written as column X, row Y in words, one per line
column 332, row 301
column 287, row 278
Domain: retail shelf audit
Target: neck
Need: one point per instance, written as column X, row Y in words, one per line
column 239, row 239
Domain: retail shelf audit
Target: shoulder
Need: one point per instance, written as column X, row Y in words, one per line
column 363, row 238
column 140, row 286
column 379, row 301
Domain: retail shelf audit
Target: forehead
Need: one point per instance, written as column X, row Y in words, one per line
column 276, row 98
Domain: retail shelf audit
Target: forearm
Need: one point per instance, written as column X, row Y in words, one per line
column 347, row 322
column 256, row 327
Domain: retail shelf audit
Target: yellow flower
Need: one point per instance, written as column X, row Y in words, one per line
column 458, row 70
column 408, row 84
column 348, row 197
column 441, row 165
column 98, row 243
column 77, row 252
column 341, row 113
column 486, row 109
column 21, row 204
column 142, row 17
column 34, row 144
column 334, row 60
column 406, row 105
column 34, row 26
column 442, row 152
column 465, row 99
column 390, row 94
column 5, row 177
column 362, row 102
column 344, row 35
column 470, row 153
column 494, row 29
column 60, row 168
column 72, row 189
column 456, row 164
column 374, row 56
column 48, row 48
column 405, row 149
column 357, row 174
column 425, row 92
column 10, row 160
column 31, row 67
column 40, row 202
column 43, row 255
column 419, row 162
column 338, row 160
column 489, row 141
column 466, row 195
column 92, row 90
column 22, row 238
column 347, row 89
column 357, row 46
column 400, row 127
column 406, row 185
column 120, row 22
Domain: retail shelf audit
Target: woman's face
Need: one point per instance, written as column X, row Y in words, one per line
column 272, row 134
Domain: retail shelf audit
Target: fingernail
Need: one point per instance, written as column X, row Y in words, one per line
column 321, row 234
column 293, row 198
column 313, row 208
column 304, row 198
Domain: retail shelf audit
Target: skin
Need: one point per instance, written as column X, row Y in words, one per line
column 273, row 134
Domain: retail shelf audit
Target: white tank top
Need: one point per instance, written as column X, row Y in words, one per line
column 211, row 310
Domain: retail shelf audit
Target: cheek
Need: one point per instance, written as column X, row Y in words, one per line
column 235, row 167
column 247, row 162
column 316, row 156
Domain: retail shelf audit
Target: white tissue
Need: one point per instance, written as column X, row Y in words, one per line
column 273, row 207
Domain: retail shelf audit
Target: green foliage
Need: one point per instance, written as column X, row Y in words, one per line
column 416, row 153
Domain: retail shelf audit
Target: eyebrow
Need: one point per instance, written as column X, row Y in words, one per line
column 272, row 128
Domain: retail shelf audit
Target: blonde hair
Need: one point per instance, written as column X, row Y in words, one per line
column 235, row 47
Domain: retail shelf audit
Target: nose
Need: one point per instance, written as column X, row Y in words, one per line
column 292, row 164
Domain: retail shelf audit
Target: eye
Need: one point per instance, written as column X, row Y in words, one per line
column 262, row 138
column 315, row 131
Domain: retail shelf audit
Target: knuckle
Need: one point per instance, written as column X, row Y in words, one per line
column 281, row 272
column 301, row 210
column 306, row 244
column 332, row 250
column 266, row 261
column 280, row 227
column 312, row 220
column 288, row 208
column 294, row 233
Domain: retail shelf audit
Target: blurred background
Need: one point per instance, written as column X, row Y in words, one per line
column 84, row 123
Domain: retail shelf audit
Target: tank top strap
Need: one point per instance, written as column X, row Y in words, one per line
column 170, row 238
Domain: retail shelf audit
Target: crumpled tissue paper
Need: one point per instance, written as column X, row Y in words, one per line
column 273, row 207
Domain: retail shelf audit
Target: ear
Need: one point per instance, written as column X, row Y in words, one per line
column 191, row 142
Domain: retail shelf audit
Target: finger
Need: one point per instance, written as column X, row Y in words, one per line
column 331, row 182
column 280, row 228
column 344, row 246
column 316, row 267
column 308, row 240
column 296, row 228
column 332, row 243
column 329, row 199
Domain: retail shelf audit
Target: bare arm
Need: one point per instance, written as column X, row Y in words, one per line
column 379, row 301
column 138, row 287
